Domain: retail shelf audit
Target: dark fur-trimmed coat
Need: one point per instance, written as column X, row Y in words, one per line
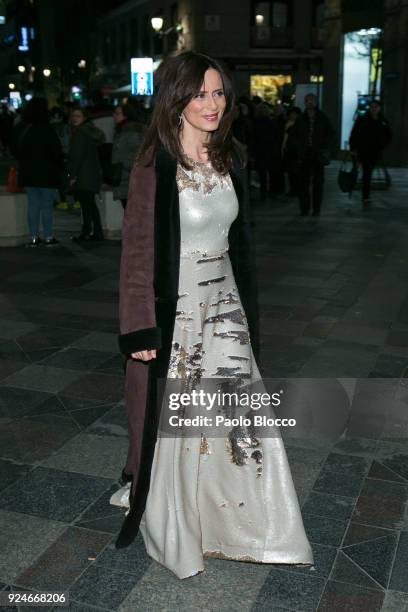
column 149, row 280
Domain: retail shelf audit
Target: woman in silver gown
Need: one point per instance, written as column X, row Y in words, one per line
column 209, row 496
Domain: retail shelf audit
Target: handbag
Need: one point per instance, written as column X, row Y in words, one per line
column 347, row 177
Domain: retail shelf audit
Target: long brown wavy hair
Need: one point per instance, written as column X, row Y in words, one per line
column 180, row 79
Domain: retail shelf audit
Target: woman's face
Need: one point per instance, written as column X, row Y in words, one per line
column 118, row 115
column 77, row 118
column 205, row 110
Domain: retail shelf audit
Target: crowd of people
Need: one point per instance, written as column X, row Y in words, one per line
column 71, row 151
column 68, row 153
column 289, row 148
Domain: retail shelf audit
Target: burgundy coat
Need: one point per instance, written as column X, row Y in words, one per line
column 149, row 279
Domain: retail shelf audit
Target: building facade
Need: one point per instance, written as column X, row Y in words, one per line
column 346, row 50
column 270, row 46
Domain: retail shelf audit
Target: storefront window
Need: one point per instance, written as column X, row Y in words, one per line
column 271, row 88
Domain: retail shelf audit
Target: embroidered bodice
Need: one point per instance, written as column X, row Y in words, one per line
column 208, row 206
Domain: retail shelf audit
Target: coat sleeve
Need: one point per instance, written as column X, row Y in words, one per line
column 137, row 301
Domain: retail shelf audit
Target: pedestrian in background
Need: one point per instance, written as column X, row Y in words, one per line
column 100, row 114
column 289, row 152
column 370, row 135
column 243, row 130
column 128, row 138
column 85, row 173
column 313, row 140
column 38, row 150
column 62, row 130
column 264, row 143
column 277, row 168
column 241, row 126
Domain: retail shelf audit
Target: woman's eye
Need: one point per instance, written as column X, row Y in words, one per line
column 220, row 94
column 200, row 95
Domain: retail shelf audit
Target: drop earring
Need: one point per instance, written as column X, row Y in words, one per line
column 180, row 121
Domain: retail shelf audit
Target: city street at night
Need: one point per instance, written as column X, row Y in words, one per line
column 333, row 302
column 204, row 305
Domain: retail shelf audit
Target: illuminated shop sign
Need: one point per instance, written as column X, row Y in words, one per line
column 24, row 46
column 141, row 69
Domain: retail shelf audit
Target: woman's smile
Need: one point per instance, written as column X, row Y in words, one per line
column 212, row 117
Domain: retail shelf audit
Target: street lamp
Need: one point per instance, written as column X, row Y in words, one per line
column 157, row 23
column 166, row 40
column 259, row 19
column 82, row 63
column 47, row 72
column 12, row 86
column 21, row 68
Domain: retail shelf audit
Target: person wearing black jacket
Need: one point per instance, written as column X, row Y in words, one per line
column 85, row 172
column 312, row 138
column 38, row 150
column 289, row 153
column 370, row 135
column 265, row 138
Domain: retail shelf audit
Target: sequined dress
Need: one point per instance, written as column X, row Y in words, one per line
column 202, row 501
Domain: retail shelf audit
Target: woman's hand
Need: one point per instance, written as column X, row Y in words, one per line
column 144, row 355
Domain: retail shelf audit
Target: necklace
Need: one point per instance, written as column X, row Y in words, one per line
column 195, row 162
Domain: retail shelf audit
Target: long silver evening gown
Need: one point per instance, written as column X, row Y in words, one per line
column 202, row 500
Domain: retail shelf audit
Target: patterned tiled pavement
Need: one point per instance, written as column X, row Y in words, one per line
column 334, row 303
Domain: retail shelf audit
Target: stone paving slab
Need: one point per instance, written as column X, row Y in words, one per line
column 22, row 539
